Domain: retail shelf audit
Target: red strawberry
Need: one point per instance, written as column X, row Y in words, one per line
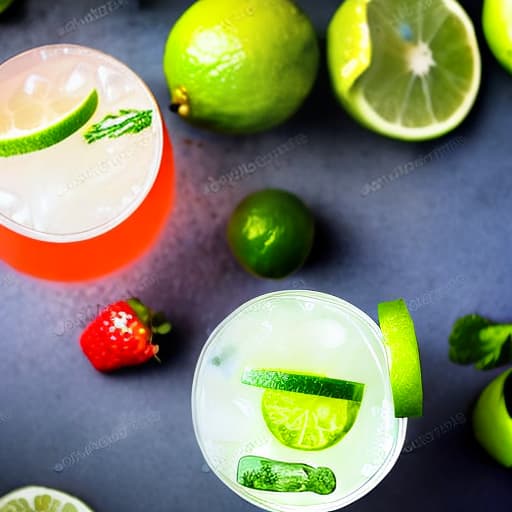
column 122, row 335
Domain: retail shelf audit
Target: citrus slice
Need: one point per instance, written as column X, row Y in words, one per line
column 307, row 422
column 306, row 384
column 33, row 123
column 41, row 499
column 404, row 359
column 408, row 70
column 492, row 419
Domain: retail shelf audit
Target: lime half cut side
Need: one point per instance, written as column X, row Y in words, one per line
column 404, row 359
column 307, row 422
column 408, row 70
column 35, row 124
column 41, row 499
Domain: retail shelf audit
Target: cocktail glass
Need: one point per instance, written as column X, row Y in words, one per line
column 81, row 207
column 302, row 332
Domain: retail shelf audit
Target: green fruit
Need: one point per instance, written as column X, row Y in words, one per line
column 492, row 419
column 497, row 23
column 41, row 499
column 240, row 66
column 406, row 69
column 271, row 233
column 404, row 359
column 4, row 4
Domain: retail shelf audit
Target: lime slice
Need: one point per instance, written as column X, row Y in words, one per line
column 492, row 419
column 36, row 124
column 306, row 384
column 404, row 359
column 307, row 422
column 408, row 70
column 41, row 499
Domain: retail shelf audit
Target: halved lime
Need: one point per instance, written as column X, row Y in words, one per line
column 404, row 359
column 41, row 499
column 307, row 422
column 301, row 383
column 33, row 124
column 408, row 70
column 492, row 419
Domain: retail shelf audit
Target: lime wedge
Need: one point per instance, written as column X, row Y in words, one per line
column 307, row 422
column 492, row 419
column 41, row 499
column 306, row 384
column 408, row 70
column 404, row 359
column 36, row 124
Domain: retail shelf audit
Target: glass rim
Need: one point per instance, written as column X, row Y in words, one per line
column 371, row 482
column 150, row 180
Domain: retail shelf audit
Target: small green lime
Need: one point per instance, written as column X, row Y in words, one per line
column 271, row 233
column 240, row 66
column 497, row 23
column 492, row 419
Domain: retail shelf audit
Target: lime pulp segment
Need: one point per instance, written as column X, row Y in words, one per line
column 41, row 499
column 306, row 384
column 409, row 70
column 404, row 360
column 57, row 131
column 307, row 422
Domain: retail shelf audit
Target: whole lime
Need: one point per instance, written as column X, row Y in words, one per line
column 240, row 66
column 497, row 23
column 271, row 233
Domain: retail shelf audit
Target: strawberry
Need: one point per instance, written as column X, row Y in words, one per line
column 122, row 335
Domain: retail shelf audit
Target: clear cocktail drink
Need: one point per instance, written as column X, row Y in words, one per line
column 300, row 332
column 86, row 169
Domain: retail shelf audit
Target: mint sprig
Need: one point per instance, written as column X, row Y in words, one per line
column 112, row 126
column 480, row 341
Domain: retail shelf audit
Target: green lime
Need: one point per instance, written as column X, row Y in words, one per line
column 240, row 66
column 307, row 422
column 492, row 419
column 404, row 359
column 306, row 384
column 497, row 23
column 41, row 499
column 271, row 233
column 4, row 4
column 37, row 124
column 408, row 70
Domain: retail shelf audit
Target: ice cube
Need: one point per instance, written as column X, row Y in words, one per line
column 37, row 86
column 79, row 78
column 114, row 85
column 8, row 202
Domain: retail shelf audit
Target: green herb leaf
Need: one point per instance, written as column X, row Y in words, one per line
column 479, row 341
column 112, row 126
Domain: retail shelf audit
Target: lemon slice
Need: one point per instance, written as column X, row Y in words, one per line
column 41, row 499
column 307, row 422
column 492, row 419
column 31, row 124
column 404, row 359
column 408, row 70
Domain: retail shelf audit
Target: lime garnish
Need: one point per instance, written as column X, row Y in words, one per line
column 307, row 422
column 301, row 383
column 41, row 499
column 404, row 361
column 408, row 70
column 492, row 419
column 41, row 125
